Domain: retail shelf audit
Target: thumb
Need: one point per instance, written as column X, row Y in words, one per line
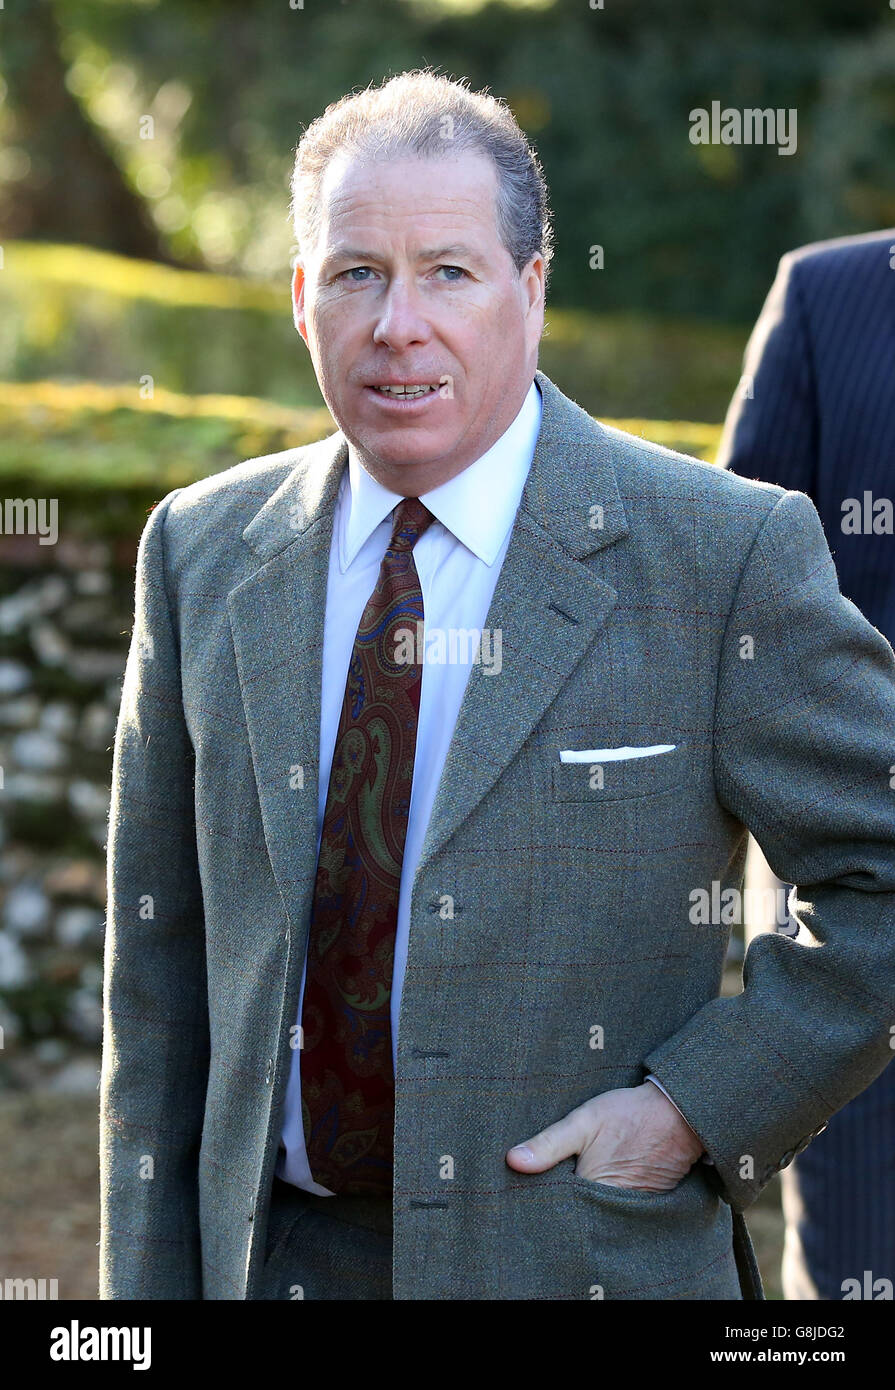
column 545, row 1150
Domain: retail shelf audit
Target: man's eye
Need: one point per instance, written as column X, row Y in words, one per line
column 358, row 274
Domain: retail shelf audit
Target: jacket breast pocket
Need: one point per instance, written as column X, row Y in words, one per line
column 620, row 779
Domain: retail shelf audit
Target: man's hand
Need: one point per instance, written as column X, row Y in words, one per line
column 633, row 1137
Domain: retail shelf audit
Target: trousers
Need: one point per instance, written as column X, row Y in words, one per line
column 326, row 1247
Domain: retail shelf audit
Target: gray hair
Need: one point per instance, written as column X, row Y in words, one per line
column 426, row 115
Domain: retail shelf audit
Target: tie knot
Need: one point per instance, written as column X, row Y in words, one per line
column 411, row 518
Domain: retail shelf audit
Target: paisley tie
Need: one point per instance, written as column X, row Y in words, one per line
column 347, row 1076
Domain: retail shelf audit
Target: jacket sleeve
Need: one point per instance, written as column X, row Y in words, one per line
column 804, row 756
column 155, row 1040
column 771, row 430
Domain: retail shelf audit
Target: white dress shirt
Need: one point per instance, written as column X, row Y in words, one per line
column 458, row 560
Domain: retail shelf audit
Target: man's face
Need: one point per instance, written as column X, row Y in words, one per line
column 408, row 284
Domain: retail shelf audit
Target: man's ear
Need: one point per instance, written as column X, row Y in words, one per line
column 533, row 282
column 298, row 300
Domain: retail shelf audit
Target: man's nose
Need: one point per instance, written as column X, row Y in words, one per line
column 401, row 321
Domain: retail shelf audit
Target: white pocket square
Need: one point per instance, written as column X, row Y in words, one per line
column 611, row 755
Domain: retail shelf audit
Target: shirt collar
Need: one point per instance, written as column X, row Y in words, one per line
column 477, row 506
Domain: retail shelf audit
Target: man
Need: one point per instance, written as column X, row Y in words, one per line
column 816, row 412
column 397, row 936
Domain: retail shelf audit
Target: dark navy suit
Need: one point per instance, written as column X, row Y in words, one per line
column 815, row 411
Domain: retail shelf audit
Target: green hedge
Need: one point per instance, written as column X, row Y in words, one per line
column 90, row 438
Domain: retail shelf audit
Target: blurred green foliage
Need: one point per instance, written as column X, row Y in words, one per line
column 102, row 437
column 106, row 441
column 605, row 94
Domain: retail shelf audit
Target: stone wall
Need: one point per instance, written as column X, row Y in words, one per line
column 66, row 612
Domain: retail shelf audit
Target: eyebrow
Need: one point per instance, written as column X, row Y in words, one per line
column 457, row 250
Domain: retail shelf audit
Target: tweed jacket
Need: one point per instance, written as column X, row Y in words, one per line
column 646, row 599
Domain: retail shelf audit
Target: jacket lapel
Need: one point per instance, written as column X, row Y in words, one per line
column 547, row 606
column 276, row 618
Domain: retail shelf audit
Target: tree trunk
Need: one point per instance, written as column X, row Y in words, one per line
column 74, row 190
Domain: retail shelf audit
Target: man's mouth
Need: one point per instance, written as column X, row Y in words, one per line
column 405, row 389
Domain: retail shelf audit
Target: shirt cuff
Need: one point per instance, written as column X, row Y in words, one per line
column 649, row 1077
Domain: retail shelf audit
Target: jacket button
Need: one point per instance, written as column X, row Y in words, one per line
column 787, row 1158
column 269, row 1071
